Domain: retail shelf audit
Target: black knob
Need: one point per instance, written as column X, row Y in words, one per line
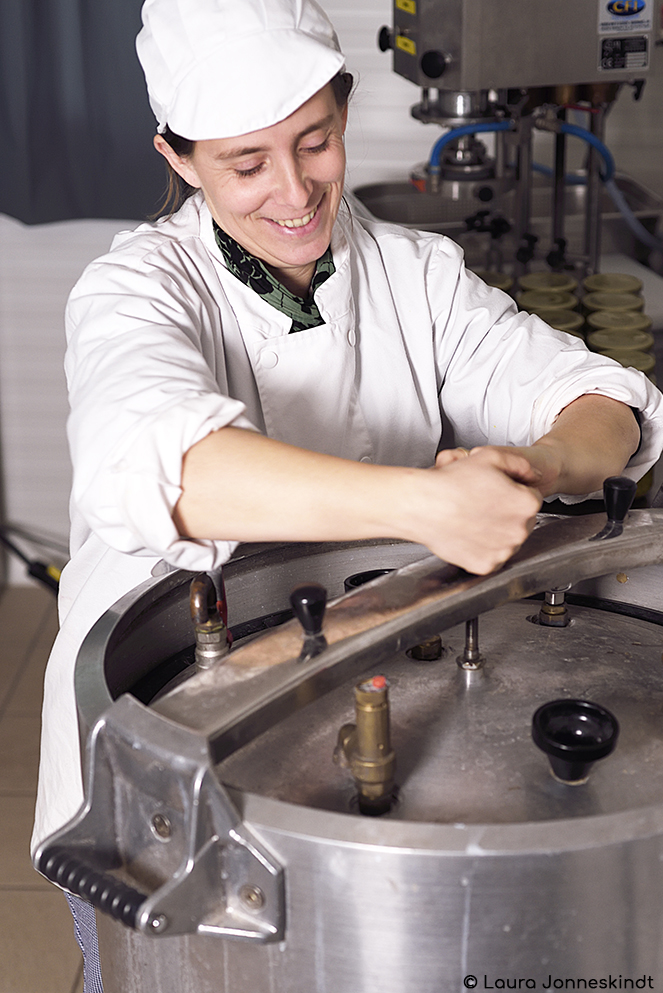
column 433, row 64
column 385, row 39
column 618, row 494
column 308, row 602
column 525, row 252
column 574, row 734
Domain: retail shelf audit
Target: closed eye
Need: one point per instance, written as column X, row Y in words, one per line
column 316, row 149
column 254, row 170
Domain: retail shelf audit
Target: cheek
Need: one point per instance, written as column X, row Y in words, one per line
column 337, row 166
column 235, row 201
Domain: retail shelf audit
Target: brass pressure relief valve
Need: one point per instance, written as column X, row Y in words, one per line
column 365, row 747
column 212, row 643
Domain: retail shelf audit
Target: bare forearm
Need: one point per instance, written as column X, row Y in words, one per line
column 594, row 437
column 242, row 486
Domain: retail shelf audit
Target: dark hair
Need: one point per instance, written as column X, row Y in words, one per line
column 178, row 190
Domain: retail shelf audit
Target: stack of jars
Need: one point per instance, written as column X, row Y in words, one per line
column 609, row 316
column 616, row 324
column 552, row 297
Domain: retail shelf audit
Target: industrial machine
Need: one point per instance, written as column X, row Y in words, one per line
column 436, row 783
column 499, row 70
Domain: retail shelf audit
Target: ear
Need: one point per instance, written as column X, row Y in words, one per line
column 182, row 166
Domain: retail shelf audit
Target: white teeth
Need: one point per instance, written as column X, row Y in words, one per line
column 298, row 222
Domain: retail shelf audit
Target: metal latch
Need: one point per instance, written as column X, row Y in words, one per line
column 159, row 844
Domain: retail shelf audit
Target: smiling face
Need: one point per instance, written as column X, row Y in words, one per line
column 276, row 191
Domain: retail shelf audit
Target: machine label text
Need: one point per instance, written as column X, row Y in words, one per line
column 624, row 17
column 609, row 982
column 626, row 8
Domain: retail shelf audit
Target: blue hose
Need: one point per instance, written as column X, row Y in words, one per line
column 595, row 142
column 434, row 163
column 618, row 198
column 570, row 179
column 636, row 226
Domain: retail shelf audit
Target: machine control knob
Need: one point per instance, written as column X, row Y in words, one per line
column 308, row 602
column 385, row 39
column 574, row 734
column 618, row 494
column 433, row 64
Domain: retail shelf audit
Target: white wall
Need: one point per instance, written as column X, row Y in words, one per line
column 38, row 265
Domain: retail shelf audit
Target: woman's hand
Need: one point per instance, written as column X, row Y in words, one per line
column 475, row 509
column 591, row 439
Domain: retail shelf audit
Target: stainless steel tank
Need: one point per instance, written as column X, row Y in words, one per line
column 486, row 872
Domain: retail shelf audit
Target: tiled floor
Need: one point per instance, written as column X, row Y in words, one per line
column 38, row 951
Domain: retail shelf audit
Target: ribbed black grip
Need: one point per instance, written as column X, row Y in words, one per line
column 102, row 890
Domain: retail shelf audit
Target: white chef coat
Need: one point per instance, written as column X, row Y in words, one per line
column 166, row 345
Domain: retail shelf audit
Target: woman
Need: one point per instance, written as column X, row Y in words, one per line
column 262, row 365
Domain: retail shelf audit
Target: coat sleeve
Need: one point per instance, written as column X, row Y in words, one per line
column 139, row 367
column 505, row 376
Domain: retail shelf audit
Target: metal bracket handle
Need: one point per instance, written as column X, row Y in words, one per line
column 156, row 817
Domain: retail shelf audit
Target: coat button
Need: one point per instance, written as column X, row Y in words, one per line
column 366, row 458
column 268, row 360
column 352, row 337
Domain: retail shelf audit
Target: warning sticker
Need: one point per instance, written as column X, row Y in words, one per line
column 624, row 53
column 625, row 16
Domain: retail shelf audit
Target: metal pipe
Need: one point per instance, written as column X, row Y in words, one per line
column 524, row 184
column 558, row 183
column 593, row 200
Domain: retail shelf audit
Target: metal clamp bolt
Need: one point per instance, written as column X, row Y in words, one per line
column 162, row 827
column 252, row 897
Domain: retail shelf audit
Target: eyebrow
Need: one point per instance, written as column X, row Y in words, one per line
column 239, row 151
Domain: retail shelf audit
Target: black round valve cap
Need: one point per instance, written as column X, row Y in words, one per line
column 308, row 602
column 433, row 64
column 574, row 734
column 384, row 39
column 618, row 494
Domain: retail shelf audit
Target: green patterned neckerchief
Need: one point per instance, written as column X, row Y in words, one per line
column 256, row 275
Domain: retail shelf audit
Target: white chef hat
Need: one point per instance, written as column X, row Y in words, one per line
column 220, row 68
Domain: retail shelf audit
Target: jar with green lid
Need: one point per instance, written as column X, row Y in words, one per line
column 498, row 279
column 612, row 282
column 536, row 300
column 560, row 282
column 612, row 301
column 563, row 320
column 644, row 361
column 609, row 340
column 621, row 320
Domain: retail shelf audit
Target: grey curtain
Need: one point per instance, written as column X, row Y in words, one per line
column 74, row 117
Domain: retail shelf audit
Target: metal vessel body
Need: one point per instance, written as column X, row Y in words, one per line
column 486, row 867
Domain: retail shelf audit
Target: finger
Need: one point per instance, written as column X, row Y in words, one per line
column 513, row 464
column 449, row 455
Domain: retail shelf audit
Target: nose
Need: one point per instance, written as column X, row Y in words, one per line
column 293, row 185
